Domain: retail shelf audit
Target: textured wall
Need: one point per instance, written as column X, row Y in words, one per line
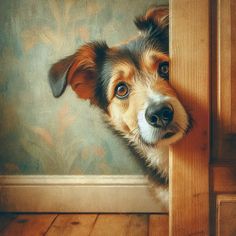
column 38, row 133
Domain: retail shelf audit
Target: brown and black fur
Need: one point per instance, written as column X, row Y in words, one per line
column 96, row 71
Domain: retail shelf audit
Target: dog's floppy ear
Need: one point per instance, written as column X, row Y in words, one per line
column 79, row 70
column 156, row 18
column 58, row 73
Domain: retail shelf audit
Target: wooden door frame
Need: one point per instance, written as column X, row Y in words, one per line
column 190, row 75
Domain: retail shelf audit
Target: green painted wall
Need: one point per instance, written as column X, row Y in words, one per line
column 38, row 133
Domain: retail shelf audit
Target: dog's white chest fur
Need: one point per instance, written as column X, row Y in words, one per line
column 158, row 158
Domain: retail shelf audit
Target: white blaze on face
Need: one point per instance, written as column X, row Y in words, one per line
column 148, row 133
column 178, row 125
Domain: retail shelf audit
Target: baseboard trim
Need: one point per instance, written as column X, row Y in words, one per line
column 70, row 193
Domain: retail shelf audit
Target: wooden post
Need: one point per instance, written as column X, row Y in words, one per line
column 189, row 181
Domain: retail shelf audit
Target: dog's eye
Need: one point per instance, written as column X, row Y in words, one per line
column 121, row 90
column 163, row 69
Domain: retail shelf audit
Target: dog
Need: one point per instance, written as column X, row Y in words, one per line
column 129, row 82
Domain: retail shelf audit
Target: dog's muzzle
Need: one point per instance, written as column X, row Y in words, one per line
column 159, row 115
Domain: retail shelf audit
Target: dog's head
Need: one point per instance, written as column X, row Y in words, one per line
column 129, row 82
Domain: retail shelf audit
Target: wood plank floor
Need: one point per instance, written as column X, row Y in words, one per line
column 83, row 224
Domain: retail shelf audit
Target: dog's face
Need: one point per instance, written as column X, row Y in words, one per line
column 129, row 82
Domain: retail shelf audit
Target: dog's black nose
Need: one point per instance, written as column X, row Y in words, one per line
column 159, row 115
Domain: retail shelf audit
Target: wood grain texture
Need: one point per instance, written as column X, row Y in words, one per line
column 233, row 67
column 158, row 225
column 86, row 224
column 224, row 179
column 120, row 225
column 224, row 65
column 29, row 225
column 226, row 215
column 6, row 219
column 115, row 224
column 223, row 80
column 138, row 225
column 72, row 224
column 189, row 183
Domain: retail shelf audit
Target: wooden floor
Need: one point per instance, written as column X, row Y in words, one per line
column 84, row 224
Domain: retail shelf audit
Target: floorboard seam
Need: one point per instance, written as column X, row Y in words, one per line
column 50, row 225
column 93, row 225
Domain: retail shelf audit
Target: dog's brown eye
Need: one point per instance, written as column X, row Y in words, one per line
column 163, row 69
column 122, row 90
